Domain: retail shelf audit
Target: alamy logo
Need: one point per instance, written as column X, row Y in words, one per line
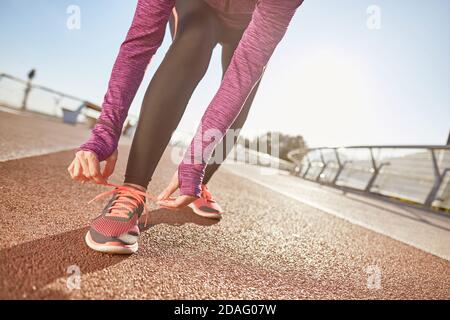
column 374, row 277
column 74, row 19
column 209, row 147
column 74, row 279
column 374, row 17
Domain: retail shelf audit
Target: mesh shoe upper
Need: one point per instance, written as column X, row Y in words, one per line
column 119, row 219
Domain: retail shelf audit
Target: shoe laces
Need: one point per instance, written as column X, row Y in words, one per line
column 128, row 199
column 206, row 194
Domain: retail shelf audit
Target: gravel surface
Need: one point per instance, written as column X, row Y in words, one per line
column 267, row 246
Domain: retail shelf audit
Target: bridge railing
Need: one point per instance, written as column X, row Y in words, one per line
column 418, row 174
column 21, row 94
column 14, row 94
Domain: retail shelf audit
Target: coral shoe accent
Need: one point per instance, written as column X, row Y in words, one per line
column 206, row 206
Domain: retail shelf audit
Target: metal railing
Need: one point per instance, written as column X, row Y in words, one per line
column 22, row 94
column 418, row 174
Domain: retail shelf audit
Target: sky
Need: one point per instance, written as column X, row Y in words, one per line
column 343, row 74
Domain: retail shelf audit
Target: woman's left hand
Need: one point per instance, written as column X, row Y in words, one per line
column 166, row 201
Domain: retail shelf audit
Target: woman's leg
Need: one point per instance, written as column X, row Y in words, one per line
column 227, row 53
column 170, row 89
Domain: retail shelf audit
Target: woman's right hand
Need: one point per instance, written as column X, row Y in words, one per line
column 86, row 167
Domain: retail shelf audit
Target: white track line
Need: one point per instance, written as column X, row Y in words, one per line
column 338, row 214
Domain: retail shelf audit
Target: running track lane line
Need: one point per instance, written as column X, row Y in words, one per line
column 337, row 214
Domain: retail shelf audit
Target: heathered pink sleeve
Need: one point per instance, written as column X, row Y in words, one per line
column 268, row 26
column 143, row 39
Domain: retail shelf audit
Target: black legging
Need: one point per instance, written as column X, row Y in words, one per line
column 198, row 31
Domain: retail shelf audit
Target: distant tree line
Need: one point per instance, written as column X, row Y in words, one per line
column 265, row 142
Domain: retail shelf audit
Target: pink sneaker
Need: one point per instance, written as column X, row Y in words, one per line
column 206, row 206
column 116, row 230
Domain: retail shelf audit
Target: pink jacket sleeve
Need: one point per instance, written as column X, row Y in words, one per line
column 268, row 26
column 143, row 39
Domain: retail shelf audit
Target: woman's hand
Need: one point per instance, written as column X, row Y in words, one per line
column 165, row 201
column 86, row 167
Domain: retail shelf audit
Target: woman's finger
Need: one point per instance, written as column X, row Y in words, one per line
column 167, row 192
column 70, row 168
column 110, row 165
column 78, row 174
column 94, row 170
column 177, row 203
column 77, row 171
column 84, row 166
column 171, row 188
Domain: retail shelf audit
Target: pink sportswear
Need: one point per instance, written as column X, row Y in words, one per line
column 269, row 22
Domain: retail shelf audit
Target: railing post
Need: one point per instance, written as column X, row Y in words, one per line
column 324, row 166
column 309, row 166
column 340, row 165
column 320, row 165
column 444, row 173
column 28, row 88
column 438, row 178
column 375, row 172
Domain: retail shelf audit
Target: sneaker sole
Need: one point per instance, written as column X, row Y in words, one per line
column 110, row 247
column 216, row 216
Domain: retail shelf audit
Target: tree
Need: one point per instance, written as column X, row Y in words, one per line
column 286, row 143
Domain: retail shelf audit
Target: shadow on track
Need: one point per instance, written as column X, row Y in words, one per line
column 175, row 218
column 27, row 268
